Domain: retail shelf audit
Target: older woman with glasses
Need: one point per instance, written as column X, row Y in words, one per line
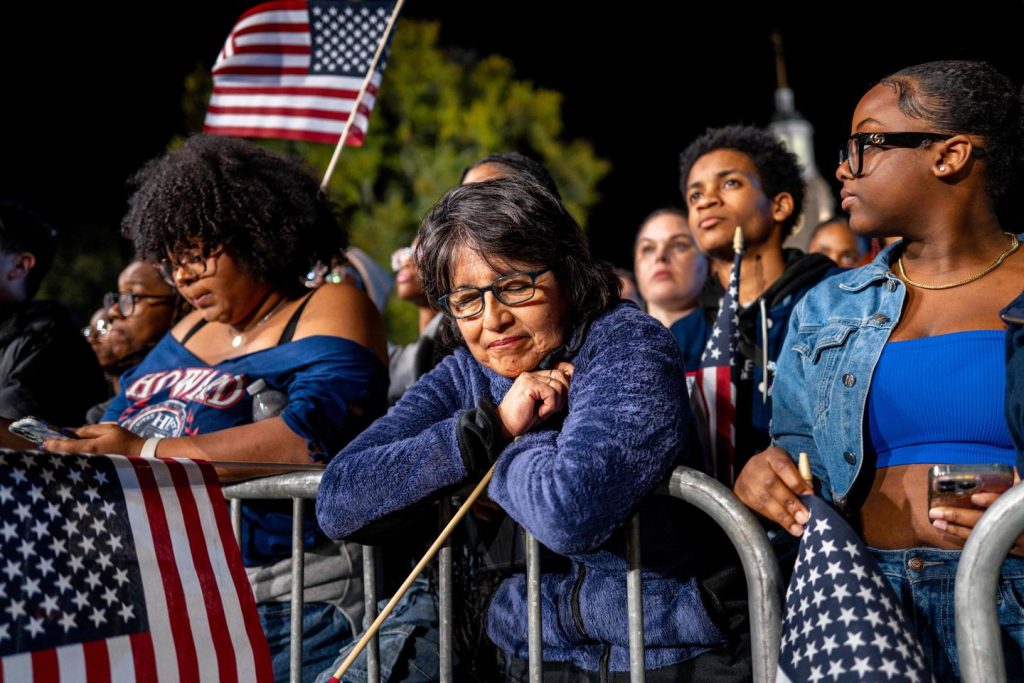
column 902, row 365
column 236, row 229
column 579, row 399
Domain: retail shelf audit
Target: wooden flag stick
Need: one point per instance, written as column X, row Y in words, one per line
column 804, row 465
column 417, row 570
column 359, row 98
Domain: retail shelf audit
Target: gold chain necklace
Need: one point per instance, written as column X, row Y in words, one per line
column 1002, row 257
column 238, row 338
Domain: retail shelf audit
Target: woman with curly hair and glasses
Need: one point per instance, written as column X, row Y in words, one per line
column 893, row 368
column 236, row 229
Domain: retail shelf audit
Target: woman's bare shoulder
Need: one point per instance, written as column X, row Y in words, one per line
column 344, row 310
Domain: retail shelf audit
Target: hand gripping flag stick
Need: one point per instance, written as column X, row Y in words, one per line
column 417, row 570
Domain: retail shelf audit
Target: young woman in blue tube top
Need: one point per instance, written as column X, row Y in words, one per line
column 895, row 367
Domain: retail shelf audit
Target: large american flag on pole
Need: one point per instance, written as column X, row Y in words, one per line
column 292, row 69
column 843, row 622
column 121, row 569
column 713, row 391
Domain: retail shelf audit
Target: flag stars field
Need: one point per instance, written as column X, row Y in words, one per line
column 67, row 580
column 859, row 629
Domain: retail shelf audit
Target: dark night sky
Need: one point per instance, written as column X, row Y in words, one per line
column 638, row 85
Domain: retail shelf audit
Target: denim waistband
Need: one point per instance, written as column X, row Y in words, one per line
column 931, row 563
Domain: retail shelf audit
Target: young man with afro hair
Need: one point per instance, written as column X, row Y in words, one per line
column 744, row 176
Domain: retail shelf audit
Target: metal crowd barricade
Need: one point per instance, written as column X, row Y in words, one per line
column 978, row 639
column 701, row 491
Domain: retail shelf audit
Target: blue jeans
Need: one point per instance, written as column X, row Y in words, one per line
column 324, row 630
column 923, row 579
column 408, row 640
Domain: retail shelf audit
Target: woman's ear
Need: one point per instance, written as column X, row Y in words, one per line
column 952, row 155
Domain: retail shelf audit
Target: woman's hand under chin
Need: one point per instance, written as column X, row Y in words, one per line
column 106, row 438
column 534, row 397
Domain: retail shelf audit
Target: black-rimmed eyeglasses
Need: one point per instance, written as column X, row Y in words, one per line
column 511, row 289
column 195, row 262
column 853, row 154
column 125, row 301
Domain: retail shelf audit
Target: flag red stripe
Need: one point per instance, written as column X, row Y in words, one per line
column 289, row 111
column 274, row 6
column 45, row 666
column 227, row 665
column 97, row 661
column 272, row 49
column 724, row 414
column 271, row 28
column 143, row 657
column 261, row 71
column 355, row 138
column 253, row 628
column 177, row 610
column 290, row 90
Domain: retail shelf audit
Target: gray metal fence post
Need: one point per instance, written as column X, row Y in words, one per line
column 370, row 602
column 444, row 570
column 978, row 639
column 764, row 583
column 298, row 582
column 635, row 601
column 535, row 647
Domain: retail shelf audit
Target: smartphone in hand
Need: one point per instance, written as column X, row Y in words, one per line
column 37, row 431
column 953, row 485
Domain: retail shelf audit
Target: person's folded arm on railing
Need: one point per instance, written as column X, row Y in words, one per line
column 573, row 484
column 407, row 457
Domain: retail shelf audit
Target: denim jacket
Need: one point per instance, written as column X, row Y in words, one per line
column 835, row 338
column 1013, row 316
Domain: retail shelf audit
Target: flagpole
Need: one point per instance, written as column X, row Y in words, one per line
column 359, row 98
column 420, row 566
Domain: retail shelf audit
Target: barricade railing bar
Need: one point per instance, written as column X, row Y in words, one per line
column 978, row 640
column 764, row 581
column 701, row 491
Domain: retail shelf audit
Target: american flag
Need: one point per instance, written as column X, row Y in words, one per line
column 843, row 621
column 121, row 569
column 713, row 391
column 292, row 69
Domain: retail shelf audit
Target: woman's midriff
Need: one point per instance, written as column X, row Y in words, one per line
column 895, row 514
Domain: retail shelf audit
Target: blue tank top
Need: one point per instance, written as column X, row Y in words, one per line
column 939, row 400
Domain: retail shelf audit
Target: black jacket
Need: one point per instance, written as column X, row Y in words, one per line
column 47, row 369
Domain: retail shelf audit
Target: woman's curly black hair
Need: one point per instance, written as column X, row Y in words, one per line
column 265, row 210
column 973, row 98
column 778, row 167
column 513, row 221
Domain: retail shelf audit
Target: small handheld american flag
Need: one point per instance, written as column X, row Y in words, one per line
column 713, row 394
column 842, row 620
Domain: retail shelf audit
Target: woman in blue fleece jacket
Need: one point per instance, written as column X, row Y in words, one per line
column 580, row 399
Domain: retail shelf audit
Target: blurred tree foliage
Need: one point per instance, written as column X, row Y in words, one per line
column 86, row 266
